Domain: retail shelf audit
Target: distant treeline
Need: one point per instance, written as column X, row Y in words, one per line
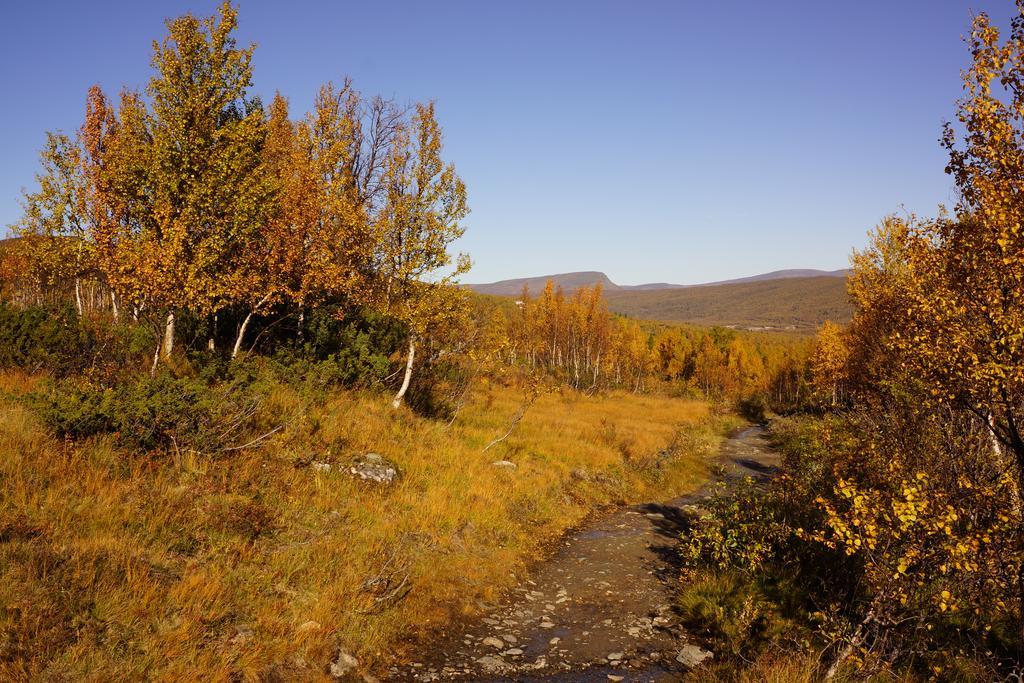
column 575, row 338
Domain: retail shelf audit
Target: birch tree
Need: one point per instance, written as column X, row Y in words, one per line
column 830, row 360
column 422, row 213
column 209, row 196
column 55, row 224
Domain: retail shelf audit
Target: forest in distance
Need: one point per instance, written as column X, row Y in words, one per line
column 253, row 426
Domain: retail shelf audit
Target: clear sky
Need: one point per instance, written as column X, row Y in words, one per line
column 656, row 141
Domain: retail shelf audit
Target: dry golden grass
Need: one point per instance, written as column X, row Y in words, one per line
column 120, row 566
column 772, row 668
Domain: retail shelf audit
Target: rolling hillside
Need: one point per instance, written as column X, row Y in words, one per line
column 587, row 278
column 778, row 275
column 799, row 299
column 568, row 281
column 800, row 303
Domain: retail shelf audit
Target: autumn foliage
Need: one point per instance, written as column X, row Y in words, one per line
column 900, row 509
column 192, row 198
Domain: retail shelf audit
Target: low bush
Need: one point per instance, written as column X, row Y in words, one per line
column 37, row 338
column 153, row 412
column 739, row 617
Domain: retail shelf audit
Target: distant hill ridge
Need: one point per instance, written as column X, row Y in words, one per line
column 587, row 278
column 797, row 299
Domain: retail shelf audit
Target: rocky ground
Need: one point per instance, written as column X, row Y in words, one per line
column 601, row 609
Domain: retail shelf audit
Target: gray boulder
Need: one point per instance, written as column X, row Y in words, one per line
column 692, row 656
column 374, row 468
column 344, row 664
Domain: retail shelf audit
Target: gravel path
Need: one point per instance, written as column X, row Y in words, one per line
column 601, row 608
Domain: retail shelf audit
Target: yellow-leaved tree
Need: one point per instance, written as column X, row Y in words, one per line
column 829, row 361
column 55, row 228
column 966, row 319
column 209, row 196
column 315, row 241
column 420, row 218
column 180, row 190
column 938, row 338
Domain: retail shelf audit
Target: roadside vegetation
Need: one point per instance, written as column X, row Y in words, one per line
column 891, row 547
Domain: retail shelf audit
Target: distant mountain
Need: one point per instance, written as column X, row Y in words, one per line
column 797, row 299
column 783, row 275
column 793, row 303
column 568, row 281
column 573, row 281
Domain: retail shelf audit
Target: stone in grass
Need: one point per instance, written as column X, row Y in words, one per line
column 344, row 664
column 580, row 474
column 374, row 468
column 491, row 641
column 504, row 464
column 491, row 664
column 692, row 656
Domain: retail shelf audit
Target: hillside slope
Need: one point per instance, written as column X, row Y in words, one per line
column 800, row 303
column 568, row 281
column 587, row 278
column 781, row 275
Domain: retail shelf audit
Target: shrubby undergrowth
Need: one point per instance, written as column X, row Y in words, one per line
column 37, row 338
column 153, row 412
column 100, row 380
column 844, row 560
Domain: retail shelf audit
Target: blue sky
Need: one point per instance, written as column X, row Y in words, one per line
column 656, row 141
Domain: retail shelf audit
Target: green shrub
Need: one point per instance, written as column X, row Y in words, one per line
column 152, row 412
column 742, row 528
column 734, row 614
column 360, row 343
column 357, row 349
column 37, row 338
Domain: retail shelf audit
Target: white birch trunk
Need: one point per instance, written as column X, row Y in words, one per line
column 156, row 357
column 408, row 374
column 241, row 334
column 997, row 447
column 168, row 345
column 245, row 326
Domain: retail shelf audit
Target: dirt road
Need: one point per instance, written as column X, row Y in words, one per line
column 601, row 608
